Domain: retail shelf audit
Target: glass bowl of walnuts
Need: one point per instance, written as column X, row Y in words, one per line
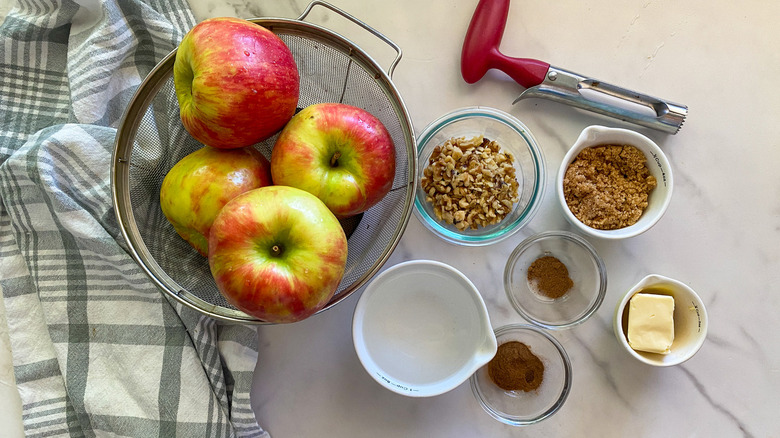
column 481, row 176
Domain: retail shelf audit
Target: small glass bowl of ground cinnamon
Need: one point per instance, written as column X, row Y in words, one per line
column 555, row 279
column 527, row 381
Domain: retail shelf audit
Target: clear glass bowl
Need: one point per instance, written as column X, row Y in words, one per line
column 519, row 408
column 513, row 137
column 586, row 270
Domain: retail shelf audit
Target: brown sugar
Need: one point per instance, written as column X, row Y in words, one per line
column 607, row 187
column 550, row 277
column 516, row 368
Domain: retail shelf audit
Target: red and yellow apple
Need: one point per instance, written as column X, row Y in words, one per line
column 340, row 153
column 200, row 184
column 277, row 253
column 236, row 82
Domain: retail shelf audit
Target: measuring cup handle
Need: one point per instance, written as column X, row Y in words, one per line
column 360, row 23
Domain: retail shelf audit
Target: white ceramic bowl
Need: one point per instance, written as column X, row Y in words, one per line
column 421, row 329
column 690, row 321
column 657, row 163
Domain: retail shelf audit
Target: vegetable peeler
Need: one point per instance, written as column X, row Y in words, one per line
column 481, row 53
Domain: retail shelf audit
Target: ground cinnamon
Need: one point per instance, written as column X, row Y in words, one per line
column 550, row 277
column 516, row 368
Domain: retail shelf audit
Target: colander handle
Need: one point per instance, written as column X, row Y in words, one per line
column 362, row 24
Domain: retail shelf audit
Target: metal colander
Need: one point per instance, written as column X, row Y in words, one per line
column 151, row 139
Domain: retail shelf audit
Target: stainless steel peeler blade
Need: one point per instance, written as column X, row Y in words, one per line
column 593, row 95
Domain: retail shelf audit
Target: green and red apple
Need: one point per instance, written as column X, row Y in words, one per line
column 236, row 82
column 340, row 153
column 200, row 184
column 277, row 253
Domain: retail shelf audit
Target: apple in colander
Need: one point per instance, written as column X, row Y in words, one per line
column 200, row 184
column 236, row 82
column 342, row 154
column 277, row 253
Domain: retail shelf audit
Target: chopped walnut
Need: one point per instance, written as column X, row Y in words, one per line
column 607, row 187
column 471, row 183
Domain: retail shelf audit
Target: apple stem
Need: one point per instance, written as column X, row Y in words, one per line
column 334, row 160
column 276, row 250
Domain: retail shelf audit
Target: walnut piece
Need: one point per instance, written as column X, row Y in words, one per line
column 607, row 187
column 470, row 182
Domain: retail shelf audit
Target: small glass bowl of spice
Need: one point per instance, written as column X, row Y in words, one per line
column 614, row 183
column 481, row 176
column 529, row 378
column 555, row 279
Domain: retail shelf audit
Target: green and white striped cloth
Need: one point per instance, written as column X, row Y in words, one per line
column 97, row 349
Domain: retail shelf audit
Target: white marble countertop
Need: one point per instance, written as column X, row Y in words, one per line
column 721, row 234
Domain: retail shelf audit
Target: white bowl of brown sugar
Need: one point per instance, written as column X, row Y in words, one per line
column 614, row 183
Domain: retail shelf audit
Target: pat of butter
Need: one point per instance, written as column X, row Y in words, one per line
column 651, row 323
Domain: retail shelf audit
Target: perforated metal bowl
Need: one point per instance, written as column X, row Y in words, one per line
column 151, row 139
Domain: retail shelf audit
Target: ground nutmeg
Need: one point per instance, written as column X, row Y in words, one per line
column 516, row 368
column 550, row 277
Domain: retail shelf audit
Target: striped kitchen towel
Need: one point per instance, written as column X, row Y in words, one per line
column 97, row 349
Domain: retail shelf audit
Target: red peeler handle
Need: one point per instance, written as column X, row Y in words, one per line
column 480, row 48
